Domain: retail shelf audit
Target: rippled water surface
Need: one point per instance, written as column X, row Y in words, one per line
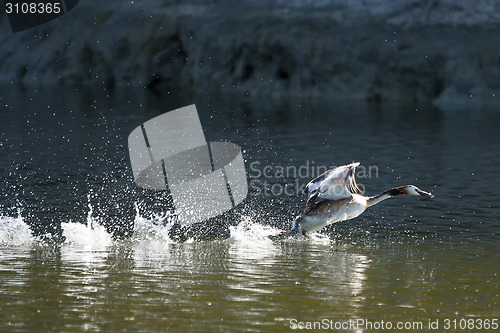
column 82, row 249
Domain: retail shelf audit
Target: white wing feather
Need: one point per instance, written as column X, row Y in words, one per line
column 334, row 184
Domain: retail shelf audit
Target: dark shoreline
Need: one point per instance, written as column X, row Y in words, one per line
column 409, row 54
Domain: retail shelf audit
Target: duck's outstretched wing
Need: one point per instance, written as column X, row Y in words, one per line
column 313, row 202
column 334, row 184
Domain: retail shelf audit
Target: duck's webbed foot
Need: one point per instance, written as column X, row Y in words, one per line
column 286, row 233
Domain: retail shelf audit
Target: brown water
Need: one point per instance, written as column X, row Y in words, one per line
column 408, row 261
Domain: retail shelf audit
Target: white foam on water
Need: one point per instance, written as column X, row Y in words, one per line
column 317, row 238
column 149, row 229
column 150, row 234
column 15, row 232
column 249, row 231
column 151, row 241
column 252, row 231
column 251, row 240
column 91, row 236
column 85, row 244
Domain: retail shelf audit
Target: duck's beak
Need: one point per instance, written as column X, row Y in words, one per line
column 424, row 194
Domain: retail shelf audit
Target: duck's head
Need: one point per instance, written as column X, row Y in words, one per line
column 413, row 190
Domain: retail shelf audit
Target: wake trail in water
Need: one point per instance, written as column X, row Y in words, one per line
column 148, row 231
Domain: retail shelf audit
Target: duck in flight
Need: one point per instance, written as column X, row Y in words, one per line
column 334, row 196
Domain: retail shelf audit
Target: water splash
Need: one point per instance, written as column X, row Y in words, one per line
column 91, row 211
column 155, row 227
column 250, row 231
column 94, row 236
column 250, row 240
column 14, row 231
column 91, row 236
column 149, row 232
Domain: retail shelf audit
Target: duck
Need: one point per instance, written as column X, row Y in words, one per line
column 334, row 196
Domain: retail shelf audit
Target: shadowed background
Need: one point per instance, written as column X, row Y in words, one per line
column 441, row 51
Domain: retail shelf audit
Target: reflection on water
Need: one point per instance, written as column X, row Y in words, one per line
column 116, row 269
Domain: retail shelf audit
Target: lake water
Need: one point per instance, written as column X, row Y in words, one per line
column 82, row 248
